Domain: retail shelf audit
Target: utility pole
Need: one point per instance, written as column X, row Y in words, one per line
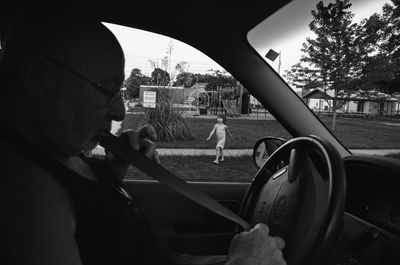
column 272, row 55
column 169, row 51
column 279, row 63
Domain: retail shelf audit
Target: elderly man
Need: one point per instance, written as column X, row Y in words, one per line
column 60, row 91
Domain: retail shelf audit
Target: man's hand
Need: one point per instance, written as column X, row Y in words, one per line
column 142, row 140
column 256, row 247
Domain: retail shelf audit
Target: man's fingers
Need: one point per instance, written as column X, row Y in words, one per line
column 134, row 140
column 156, row 157
column 143, row 141
column 148, row 148
column 148, row 131
column 132, row 137
column 262, row 227
column 150, row 151
column 280, row 243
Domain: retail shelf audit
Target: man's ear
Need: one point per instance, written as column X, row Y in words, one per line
column 34, row 78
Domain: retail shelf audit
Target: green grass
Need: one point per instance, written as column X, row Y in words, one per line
column 353, row 133
column 240, row 169
column 366, row 134
column 245, row 132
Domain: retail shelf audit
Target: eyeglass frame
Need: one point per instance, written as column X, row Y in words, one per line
column 112, row 96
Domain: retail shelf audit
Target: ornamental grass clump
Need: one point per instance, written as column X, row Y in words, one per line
column 166, row 120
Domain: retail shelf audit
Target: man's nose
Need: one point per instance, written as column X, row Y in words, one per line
column 117, row 110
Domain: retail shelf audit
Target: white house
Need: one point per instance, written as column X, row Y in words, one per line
column 371, row 102
column 374, row 103
column 318, row 100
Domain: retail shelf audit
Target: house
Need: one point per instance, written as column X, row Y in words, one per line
column 397, row 96
column 371, row 102
column 318, row 100
column 360, row 102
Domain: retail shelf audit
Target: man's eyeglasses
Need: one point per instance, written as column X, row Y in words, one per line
column 112, row 96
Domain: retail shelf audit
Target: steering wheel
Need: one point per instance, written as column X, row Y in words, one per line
column 299, row 192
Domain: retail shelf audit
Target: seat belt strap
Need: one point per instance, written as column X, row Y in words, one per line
column 159, row 173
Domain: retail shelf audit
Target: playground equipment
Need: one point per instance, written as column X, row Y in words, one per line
column 226, row 101
column 198, row 98
column 231, row 107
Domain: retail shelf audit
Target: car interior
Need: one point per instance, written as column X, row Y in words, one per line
column 331, row 206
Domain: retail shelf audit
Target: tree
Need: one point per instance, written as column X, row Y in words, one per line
column 300, row 76
column 134, row 81
column 379, row 41
column 160, row 77
column 218, row 78
column 214, row 79
column 185, row 79
column 392, row 45
column 333, row 53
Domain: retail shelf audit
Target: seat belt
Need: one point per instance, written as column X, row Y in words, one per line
column 159, row 173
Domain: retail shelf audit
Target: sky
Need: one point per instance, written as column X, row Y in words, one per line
column 141, row 46
column 284, row 31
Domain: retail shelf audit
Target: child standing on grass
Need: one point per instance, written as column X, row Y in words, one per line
column 221, row 130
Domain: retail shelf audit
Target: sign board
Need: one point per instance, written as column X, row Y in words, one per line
column 149, row 99
column 272, row 55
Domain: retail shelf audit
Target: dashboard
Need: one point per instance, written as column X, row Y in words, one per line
column 371, row 230
column 373, row 191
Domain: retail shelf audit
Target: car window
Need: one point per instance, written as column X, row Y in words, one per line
column 181, row 92
column 342, row 58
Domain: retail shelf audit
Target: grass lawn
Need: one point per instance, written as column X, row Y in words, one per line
column 366, row 134
column 245, row 132
column 239, row 169
column 353, row 133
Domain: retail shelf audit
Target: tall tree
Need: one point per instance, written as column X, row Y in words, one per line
column 379, row 37
column 160, row 77
column 134, row 81
column 219, row 78
column 185, row 79
column 332, row 52
column 301, row 76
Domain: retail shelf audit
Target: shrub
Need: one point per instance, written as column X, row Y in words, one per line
column 166, row 120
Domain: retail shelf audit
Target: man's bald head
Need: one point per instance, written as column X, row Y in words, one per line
column 61, row 80
column 77, row 43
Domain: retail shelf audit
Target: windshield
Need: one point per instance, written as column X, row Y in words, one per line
column 207, row 122
column 343, row 59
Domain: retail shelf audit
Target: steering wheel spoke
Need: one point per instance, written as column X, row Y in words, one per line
column 296, row 162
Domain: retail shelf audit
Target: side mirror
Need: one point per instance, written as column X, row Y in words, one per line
column 264, row 147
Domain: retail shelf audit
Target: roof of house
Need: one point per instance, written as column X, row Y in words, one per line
column 368, row 96
column 316, row 93
column 355, row 96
